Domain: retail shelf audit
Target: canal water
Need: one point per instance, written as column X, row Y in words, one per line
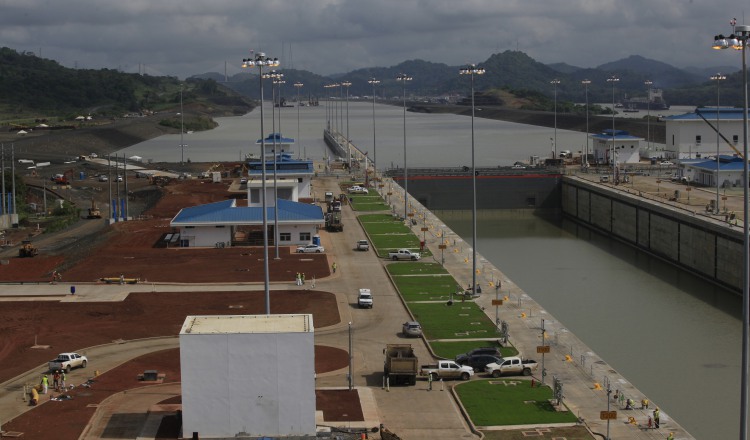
column 674, row 336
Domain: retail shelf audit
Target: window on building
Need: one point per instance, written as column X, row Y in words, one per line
column 285, row 236
column 304, row 236
column 284, row 193
column 735, row 139
column 697, row 140
column 255, row 195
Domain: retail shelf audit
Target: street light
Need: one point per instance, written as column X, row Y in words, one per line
column 260, row 60
column 404, row 78
column 554, row 82
column 613, row 79
column 373, row 82
column 472, row 70
column 277, row 81
column 718, row 78
column 738, row 40
column 586, row 83
column 298, row 85
column 348, row 142
column 182, row 130
column 648, row 84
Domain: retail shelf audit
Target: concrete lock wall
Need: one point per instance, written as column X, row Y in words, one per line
column 701, row 245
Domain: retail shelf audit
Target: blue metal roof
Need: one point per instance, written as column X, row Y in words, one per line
column 606, row 134
column 726, row 163
column 277, row 137
column 724, row 113
column 228, row 213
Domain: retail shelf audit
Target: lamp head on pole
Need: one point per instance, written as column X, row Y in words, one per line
column 373, row 81
column 346, row 84
column 471, row 69
column 298, row 84
column 555, row 82
column 403, row 77
column 260, row 60
column 585, row 82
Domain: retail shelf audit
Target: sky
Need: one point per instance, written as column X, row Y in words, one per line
column 187, row 37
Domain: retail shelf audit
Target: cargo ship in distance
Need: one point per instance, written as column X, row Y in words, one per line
column 655, row 101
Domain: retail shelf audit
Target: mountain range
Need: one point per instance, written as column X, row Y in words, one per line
column 516, row 71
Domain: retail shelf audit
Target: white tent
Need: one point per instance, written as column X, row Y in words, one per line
column 136, row 158
column 22, row 132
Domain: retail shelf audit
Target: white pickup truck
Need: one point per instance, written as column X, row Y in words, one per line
column 512, row 365
column 364, row 301
column 68, row 361
column 447, row 370
column 404, row 254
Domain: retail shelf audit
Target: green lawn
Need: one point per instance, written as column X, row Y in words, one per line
column 462, row 320
column 370, row 202
column 449, row 350
column 436, row 287
column 495, row 402
column 416, row 269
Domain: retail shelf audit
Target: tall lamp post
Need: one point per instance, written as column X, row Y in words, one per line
column 718, row 78
column 472, row 70
column 277, row 81
column 586, row 83
column 404, row 78
column 739, row 40
column 613, row 79
column 260, row 60
column 182, row 129
column 298, row 85
column 373, row 82
column 347, row 84
column 648, row 84
column 554, row 82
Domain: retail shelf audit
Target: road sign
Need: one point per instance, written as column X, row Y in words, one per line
column 411, row 214
column 497, row 302
column 608, row 415
column 542, row 348
column 425, row 229
column 442, row 246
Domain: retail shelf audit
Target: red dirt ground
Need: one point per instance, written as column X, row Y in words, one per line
column 72, row 326
column 133, row 249
column 65, row 420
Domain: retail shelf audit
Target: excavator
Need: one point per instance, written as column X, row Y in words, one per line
column 27, row 250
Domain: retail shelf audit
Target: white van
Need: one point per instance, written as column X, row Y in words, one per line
column 365, row 299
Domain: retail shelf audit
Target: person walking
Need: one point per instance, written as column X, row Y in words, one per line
column 56, row 380
column 303, row 278
column 429, row 382
column 45, row 384
column 62, row 380
column 656, row 418
column 670, row 436
column 333, row 267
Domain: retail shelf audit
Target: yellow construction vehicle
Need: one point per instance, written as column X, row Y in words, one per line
column 27, row 250
column 94, row 210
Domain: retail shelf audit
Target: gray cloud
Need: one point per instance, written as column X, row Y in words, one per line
column 178, row 37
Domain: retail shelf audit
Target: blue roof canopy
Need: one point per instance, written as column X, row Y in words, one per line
column 277, row 137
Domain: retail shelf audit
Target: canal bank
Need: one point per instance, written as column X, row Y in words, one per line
column 585, row 375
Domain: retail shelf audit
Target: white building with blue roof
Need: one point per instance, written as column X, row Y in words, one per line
column 694, row 135
column 705, row 172
column 626, row 147
column 293, row 180
column 226, row 224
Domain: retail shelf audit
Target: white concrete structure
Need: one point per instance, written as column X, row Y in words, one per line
column 693, row 135
column 626, row 147
column 251, row 374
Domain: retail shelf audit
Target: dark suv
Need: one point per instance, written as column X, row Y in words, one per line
column 494, row 351
column 478, row 361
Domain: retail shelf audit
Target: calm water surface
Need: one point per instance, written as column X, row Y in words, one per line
column 675, row 337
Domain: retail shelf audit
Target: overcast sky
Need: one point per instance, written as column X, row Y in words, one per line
column 186, row 37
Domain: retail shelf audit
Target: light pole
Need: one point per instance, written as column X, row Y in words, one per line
column 586, row 83
column 404, row 78
column 182, row 130
column 613, row 79
column 718, row 78
column 554, row 82
column 472, row 70
column 347, row 84
column 738, row 40
column 276, row 81
column 373, row 82
column 298, row 85
column 260, row 60
column 648, row 84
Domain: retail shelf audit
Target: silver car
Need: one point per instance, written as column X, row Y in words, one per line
column 412, row 329
column 310, row 248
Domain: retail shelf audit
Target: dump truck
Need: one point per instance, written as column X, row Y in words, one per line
column 401, row 364
column 27, row 250
column 333, row 222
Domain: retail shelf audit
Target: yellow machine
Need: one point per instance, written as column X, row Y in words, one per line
column 94, row 210
column 27, row 249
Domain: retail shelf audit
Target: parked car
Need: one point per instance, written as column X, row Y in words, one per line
column 363, row 245
column 412, row 328
column 103, row 178
column 492, row 351
column 68, row 361
column 243, row 181
column 478, row 361
column 310, row 248
column 666, row 163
